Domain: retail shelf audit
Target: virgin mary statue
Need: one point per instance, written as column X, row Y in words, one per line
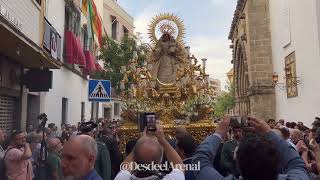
column 166, row 60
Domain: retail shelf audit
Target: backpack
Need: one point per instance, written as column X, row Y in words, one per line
column 3, row 169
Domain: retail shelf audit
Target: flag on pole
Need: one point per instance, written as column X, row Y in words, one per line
column 89, row 24
column 94, row 21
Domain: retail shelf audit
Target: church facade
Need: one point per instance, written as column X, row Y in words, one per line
column 276, row 52
column 252, row 59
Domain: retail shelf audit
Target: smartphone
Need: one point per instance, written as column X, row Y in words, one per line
column 151, row 122
column 239, row 121
column 147, row 120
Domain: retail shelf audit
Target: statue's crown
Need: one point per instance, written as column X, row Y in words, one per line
column 167, row 28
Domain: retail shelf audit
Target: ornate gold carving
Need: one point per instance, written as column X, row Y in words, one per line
column 170, row 93
column 167, row 27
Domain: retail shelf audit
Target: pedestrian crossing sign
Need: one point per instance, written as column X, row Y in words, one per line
column 99, row 90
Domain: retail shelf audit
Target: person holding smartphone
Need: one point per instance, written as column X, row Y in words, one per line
column 147, row 151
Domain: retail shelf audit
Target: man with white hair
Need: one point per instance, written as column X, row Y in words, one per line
column 79, row 156
column 180, row 131
column 147, row 155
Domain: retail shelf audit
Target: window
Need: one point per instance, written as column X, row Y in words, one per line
column 291, row 76
column 83, row 110
column 72, row 20
column 114, row 27
column 64, row 111
column 85, row 39
column 116, row 109
column 285, row 22
column 125, row 32
column 107, row 113
column 88, row 44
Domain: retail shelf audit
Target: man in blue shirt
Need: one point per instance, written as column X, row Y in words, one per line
column 79, row 156
column 264, row 156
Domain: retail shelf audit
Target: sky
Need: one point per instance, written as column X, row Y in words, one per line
column 207, row 25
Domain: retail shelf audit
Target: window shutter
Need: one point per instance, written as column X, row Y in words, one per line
column 286, row 29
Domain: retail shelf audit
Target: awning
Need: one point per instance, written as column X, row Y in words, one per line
column 18, row 47
column 73, row 50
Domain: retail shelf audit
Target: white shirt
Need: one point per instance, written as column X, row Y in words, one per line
column 175, row 174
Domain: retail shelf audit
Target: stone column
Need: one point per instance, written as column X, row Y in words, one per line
column 260, row 69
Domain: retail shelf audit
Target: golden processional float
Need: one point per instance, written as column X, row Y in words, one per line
column 170, row 83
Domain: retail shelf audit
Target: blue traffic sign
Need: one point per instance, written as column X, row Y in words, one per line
column 99, row 90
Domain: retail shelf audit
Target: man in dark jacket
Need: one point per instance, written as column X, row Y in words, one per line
column 115, row 155
column 186, row 146
column 264, row 156
column 228, row 163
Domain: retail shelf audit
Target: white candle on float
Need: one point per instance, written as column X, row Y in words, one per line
column 122, row 87
column 135, row 55
column 123, row 68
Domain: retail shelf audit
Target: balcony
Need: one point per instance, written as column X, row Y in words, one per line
column 73, row 50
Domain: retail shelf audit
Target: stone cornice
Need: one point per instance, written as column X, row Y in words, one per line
column 237, row 15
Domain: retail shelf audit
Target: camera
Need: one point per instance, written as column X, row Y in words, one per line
column 147, row 120
column 43, row 118
column 239, row 121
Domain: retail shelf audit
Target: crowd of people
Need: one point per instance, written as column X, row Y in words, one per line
column 263, row 150
column 85, row 151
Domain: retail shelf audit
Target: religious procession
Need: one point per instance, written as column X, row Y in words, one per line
column 159, row 90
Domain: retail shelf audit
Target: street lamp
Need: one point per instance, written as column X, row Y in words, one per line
column 275, row 78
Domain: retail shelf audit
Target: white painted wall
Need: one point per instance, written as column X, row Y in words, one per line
column 55, row 13
column 111, row 7
column 67, row 84
column 27, row 13
column 305, row 43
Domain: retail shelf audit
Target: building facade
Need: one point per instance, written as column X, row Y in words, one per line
column 21, row 50
column 252, row 59
column 116, row 21
column 67, row 102
column 295, row 27
column 276, row 52
column 117, row 24
column 215, row 85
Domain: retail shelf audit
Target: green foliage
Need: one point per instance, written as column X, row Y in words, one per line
column 115, row 55
column 194, row 108
column 224, row 103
